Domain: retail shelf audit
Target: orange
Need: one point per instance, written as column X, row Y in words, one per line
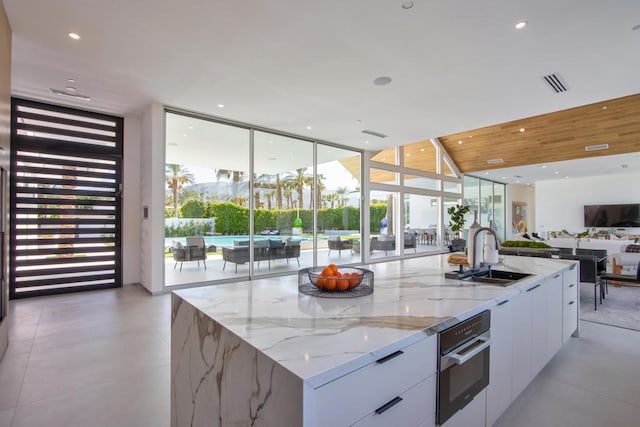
column 327, row 271
column 333, row 267
column 330, row 284
column 320, row 282
column 354, row 280
column 342, row 284
column 346, row 275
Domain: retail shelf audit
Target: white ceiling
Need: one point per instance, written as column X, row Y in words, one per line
column 287, row 65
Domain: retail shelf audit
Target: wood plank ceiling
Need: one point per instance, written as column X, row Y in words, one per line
column 552, row 137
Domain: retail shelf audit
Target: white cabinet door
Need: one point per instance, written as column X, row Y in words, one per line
column 554, row 304
column 538, row 300
column 473, row 415
column 500, row 361
column 521, row 345
column 569, row 302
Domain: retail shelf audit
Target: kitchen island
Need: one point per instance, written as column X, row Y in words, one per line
column 260, row 353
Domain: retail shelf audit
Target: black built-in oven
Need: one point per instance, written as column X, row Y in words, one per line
column 463, row 366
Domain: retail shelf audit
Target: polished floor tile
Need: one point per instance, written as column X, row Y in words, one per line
column 103, row 359
column 593, row 381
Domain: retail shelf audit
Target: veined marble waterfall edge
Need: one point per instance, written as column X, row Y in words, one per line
column 213, row 372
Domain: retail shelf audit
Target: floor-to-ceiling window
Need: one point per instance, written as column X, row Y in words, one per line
column 244, row 202
column 487, row 198
column 411, row 187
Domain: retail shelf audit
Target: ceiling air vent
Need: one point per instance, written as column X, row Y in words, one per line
column 70, row 95
column 597, row 147
column 374, row 133
column 555, row 83
column 495, row 161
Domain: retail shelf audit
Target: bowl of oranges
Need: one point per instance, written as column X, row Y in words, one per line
column 336, row 280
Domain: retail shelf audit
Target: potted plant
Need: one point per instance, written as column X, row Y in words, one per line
column 456, row 224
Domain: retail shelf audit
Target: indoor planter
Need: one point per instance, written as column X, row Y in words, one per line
column 456, row 224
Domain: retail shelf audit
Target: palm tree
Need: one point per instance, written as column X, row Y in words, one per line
column 236, row 177
column 320, row 187
column 177, row 177
column 288, row 194
column 300, row 179
column 342, row 192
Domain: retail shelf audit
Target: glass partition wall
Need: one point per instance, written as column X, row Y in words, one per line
column 244, row 202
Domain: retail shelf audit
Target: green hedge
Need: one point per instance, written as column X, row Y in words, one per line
column 191, row 228
column 232, row 219
column 524, row 244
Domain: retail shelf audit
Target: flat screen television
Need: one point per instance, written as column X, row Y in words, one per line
column 627, row 215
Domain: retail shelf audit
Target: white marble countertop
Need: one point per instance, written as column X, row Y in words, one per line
column 320, row 339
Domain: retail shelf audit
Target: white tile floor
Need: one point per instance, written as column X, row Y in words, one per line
column 102, row 359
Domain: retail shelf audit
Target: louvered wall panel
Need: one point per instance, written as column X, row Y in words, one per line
column 66, row 175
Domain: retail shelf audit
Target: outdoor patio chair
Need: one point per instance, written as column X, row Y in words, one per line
column 336, row 244
column 194, row 250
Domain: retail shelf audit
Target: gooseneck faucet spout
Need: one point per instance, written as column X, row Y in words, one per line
column 475, row 236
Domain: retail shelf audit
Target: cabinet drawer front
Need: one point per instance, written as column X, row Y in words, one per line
column 417, row 405
column 353, row 396
column 570, row 292
column 569, row 319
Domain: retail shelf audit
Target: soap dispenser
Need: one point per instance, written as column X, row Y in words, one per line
column 474, row 245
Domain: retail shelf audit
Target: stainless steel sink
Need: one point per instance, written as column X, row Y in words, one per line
column 497, row 277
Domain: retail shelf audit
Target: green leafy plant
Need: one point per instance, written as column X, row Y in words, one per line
column 457, row 220
column 577, row 236
column 524, row 244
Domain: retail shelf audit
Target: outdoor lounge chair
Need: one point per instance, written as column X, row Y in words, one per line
column 194, row 250
column 336, row 244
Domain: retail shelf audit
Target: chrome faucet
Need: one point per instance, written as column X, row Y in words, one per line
column 475, row 236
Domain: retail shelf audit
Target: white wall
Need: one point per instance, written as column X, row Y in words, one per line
column 5, row 120
column 131, row 201
column 152, row 182
column 525, row 194
column 559, row 203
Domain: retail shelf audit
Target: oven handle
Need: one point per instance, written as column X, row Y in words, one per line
column 460, row 359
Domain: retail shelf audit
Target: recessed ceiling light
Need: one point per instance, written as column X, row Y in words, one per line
column 470, row 136
column 422, row 149
column 190, row 127
column 543, row 166
column 522, row 129
column 604, row 107
column 459, row 142
column 308, row 127
column 185, row 135
column 486, row 173
column 71, row 89
column 517, row 181
column 408, row 155
column 382, row 81
column 407, row 5
column 74, row 36
column 567, row 176
column 220, row 105
column 520, row 25
column 556, row 172
column 504, row 177
column 71, row 81
column 366, row 142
